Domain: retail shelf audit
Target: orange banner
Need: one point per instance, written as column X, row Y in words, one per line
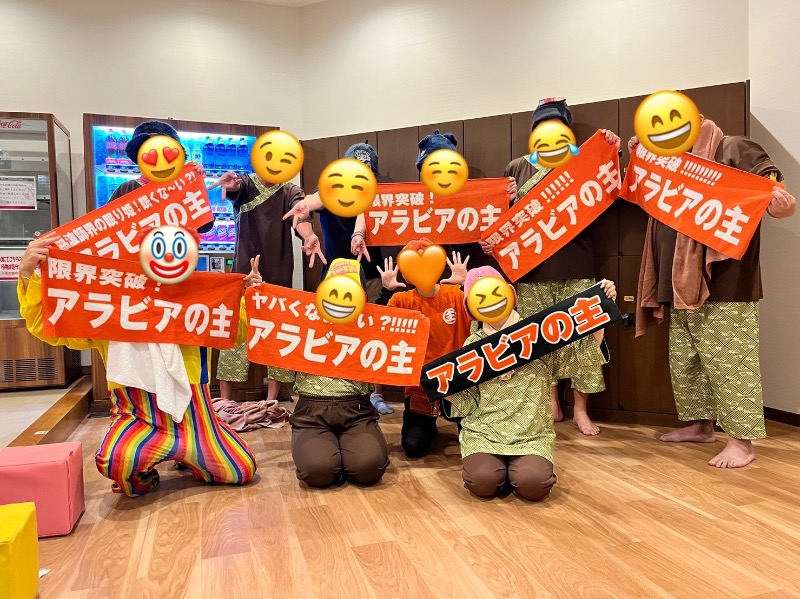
column 556, row 209
column 719, row 206
column 385, row 345
column 88, row 297
column 403, row 212
column 111, row 231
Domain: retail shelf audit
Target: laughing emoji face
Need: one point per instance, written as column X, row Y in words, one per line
column 347, row 187
column 490, row 299
column 551, row 144
column 169, row 254
column 161, row 159
column 667, row 123
column 444, row 172
column 277, row 157
column 340, row 298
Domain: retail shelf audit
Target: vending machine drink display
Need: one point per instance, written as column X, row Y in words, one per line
column 218, row 147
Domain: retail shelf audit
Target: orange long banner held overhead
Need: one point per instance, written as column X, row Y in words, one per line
column 403, row 212
column 566, row 201
column 111, row 230
column 719, row 206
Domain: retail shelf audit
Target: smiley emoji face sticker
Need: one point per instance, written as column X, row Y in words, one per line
column 552, row 144
column 347, row 187
column 667, row 123
column 340, row 298
column 444, row 172
column 169, row 254
column 490, row 299
column 277, row 156
column 161, row 159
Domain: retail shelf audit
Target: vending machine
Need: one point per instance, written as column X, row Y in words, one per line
column 219, row 148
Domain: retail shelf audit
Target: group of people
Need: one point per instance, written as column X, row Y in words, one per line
column 505, row 425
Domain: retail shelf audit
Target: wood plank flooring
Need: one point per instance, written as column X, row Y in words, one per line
column 629, row 517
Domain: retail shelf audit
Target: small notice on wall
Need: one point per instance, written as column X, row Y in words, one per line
column 9, row 264
column 17, row 193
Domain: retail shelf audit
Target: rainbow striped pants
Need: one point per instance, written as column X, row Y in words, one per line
column 142, row 436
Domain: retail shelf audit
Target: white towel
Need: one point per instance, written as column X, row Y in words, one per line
column 155, row 367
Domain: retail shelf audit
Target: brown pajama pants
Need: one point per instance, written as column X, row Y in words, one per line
column 337, row 436
column 530, row 476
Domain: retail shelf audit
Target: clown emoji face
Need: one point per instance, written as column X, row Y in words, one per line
column 340, row 297
column 277, row 156
column 667, row 123
column 161, row 159
column 552, row 144
column 444, row 172
column 169, row 254
column 490, row 299
column 347, row 187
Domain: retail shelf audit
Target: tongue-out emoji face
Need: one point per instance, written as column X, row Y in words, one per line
column 169, row 254
column 161, row 159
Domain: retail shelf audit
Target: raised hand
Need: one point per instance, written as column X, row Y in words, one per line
column 299, row 211
column 35, row 254
column 389, row 275
column 511, row 190
column 358, row 246
column 783, row 204
column 254, row 276
column 230, row 181
column 458, row 270
column 612, row 138
column 632, row 143
column 486, row 246
column 313, row 248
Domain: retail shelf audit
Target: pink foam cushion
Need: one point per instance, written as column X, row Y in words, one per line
column 49, row 475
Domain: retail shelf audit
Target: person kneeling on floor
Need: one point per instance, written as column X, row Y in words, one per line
column 335, row 432
column 507, row 433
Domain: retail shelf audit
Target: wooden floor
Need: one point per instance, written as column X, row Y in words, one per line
column 629, row 517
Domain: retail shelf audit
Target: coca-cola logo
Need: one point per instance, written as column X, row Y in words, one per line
column 10, row 124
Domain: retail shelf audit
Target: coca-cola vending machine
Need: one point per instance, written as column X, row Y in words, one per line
column 35, row 196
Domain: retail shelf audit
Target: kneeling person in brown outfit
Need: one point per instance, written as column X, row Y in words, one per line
column 335, row 432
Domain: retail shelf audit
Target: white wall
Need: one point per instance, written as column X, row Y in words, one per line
column 229, row 62
column 379, row 65
column 775, row 124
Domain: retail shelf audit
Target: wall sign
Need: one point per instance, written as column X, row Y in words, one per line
column 17, row 193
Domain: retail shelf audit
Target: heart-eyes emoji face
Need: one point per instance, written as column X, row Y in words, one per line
column 444, row 172
column 169, row 254
column 490, row 299
column 347, row 187
column 161, row 159
column 277, row 156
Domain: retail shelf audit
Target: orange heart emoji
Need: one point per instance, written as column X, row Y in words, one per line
column 423, row 270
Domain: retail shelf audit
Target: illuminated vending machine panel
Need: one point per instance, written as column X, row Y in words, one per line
column 217, row 153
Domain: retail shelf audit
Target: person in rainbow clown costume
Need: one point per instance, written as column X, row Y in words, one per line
column 142, row 434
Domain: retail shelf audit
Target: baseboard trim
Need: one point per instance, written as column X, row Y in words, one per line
column 782, row 416
column 61, row 419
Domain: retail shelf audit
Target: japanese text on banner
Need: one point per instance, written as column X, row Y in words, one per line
column 558, row 208
column 403, row 212
column 520, row 344
column 111, row 231
column 719, row 206
column 385, row 345
column 89, row 297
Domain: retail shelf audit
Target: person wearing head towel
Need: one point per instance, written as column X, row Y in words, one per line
column 567, row 272
column 507, row 433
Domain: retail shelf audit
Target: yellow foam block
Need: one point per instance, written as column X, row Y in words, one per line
column 19, row 551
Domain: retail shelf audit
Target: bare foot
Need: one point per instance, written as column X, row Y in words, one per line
column 558, row 415
column 737, row 454
column 585, row 425
column 701, row 431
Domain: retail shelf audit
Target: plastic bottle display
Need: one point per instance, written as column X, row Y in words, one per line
column 230, row 155
column 243, row 155
column 111, row 147
column 197, row 151
column 220, row 161
column 122, row 144
column 208, row 153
